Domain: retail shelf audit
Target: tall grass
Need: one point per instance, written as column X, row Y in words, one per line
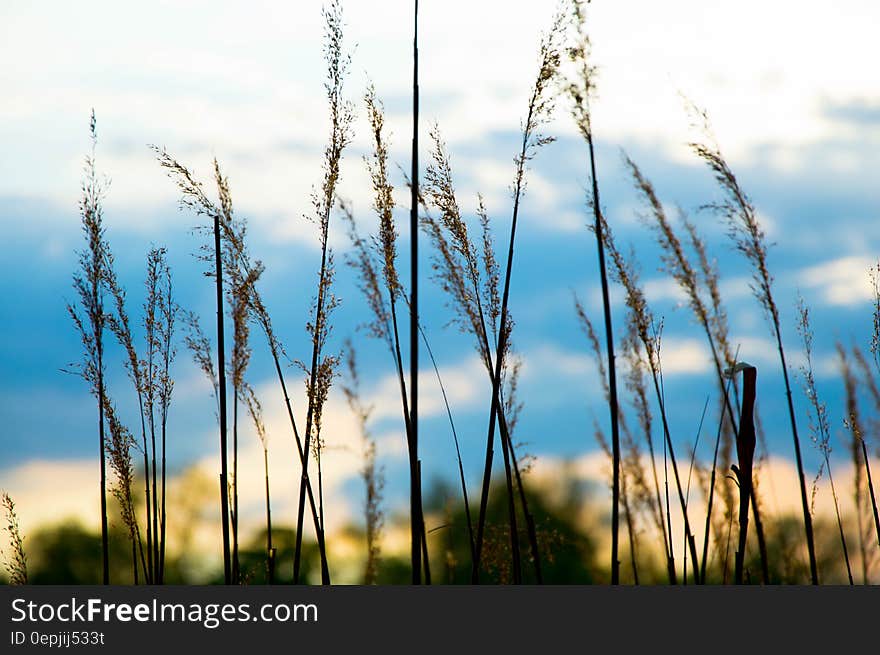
column 119, row 453
column 151, row 378
column 470, row 277
column 580, row 90
column 637, row 387
column 193, row 197
column 384, row 324
column 649, row 339
column 539, row 109
column 255, row 409
column 16, row 563
column 221, row 377
column 748, row 237
column 89, row 317
column 746, row 442
column 631, row 464
column 863, row 487
column 469, row 272
column 820, row 429
column 709, row 315
column 321, row 367
column 246, row 276
column 870, row 383
column 417, row 520
column 371, row 473
column 239, row 292
column 243, row 273
column 168, row 316
column 383, row 293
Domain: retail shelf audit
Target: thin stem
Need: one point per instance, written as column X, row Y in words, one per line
column 808, row 519
column 840, row 524
column 687, row 525
column 871, row 490
column 464, row 493
column 499, row 356
column 270, row 551
column 612, row 370
column 221, row 373
column 511, row 513
column 416, row 519
column 105, row 546
column 236, row 570
column 745, row 448
column 325, row 573
column 313, row 379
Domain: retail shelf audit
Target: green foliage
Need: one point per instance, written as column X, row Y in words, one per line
column 70, row 554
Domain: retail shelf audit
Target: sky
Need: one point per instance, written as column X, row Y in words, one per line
column 790, row 88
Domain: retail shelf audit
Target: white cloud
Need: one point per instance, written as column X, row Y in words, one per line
column 464, row 383
column 684, row 356
column 664, row 288
column 549, row 361
column 842, row 281
column 156, row 73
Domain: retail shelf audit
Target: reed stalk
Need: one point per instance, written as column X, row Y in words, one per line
column 853, row 424
column 320, row 369
column 580, row 90
column 820, row 429
column 417, row 526
column 255, row 410
column 89, row 318
column 649, row 337
column 745, row 450
column 472, row 280
column 748, row 238
column 539, row 109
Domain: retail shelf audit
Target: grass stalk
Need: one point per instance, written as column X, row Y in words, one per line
column 119, row 453
column 321, row 368
column 635, row 383
column 820, row 431
column 648, row 336
column 221, row 369
column 168, row 312
column 590, row 332
column 89, row 284
column 464, row 492
column 475, row 299
column 417, row 528
column 580, row 92
column 539, row 109
column 371, row 474
column 745, row 450
column 748, row 237
column 255, row 411
column 854, row 426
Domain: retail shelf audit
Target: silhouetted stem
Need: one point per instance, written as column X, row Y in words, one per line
column 745, row 448
column 871, row 490
column 417, row 527
column 270, row 551
column 221, row 373
column 499, row 355
column 612, row 371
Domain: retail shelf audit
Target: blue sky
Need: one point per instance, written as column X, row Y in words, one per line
column 790, row 88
